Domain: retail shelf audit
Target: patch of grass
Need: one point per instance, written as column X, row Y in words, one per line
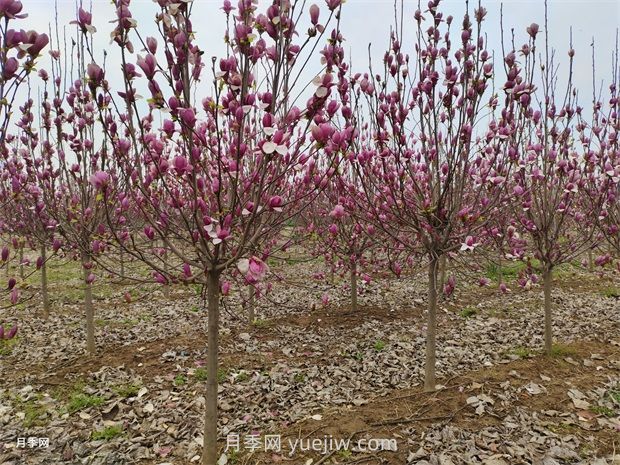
column 79, row 401
column 145, row 317
column 509, row 270
column 242, row 376
column 522, row 352
column 602, row 410
column 379, row 345
column 233, row 456
column 611, row 292
column 180, row 380
column 201, row 374
column 195, row 308
column 101, row 322
column 562, row 428
column 299, row 378
column 7, row 345
column 129, row 322
column 345, row 453
column 468, row 312
column 562, row 350
column 197, row 288
column 615, row 396
column 260, row 323
column 127, row 390
column 107, row 433
column 33, row 411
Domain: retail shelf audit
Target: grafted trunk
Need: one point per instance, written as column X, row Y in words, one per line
column 88, row 308
column 44, row 292
column 209, row 454
column 431, row 332
column 354, row 285
column 547, row 283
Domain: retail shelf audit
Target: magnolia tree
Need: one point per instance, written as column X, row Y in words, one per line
column 601, row 147
column 432, row 172
column 219, row 179
column 67, row 170
column 19, row 51
column 552, row 180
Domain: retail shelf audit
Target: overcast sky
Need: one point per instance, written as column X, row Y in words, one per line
column 369, row 21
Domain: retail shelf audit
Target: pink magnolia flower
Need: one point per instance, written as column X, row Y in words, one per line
column 12, row 332
column 225, row 288
column 160, row 278
column 337, row 212
column 14, row 296
column 254, row 269
column 314, row 14
column 100, row 180
column 275, row 203
column 469, row 244
column 325, row 299
column 217, row 233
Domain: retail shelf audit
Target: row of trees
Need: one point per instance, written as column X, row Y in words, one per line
column 440, row 154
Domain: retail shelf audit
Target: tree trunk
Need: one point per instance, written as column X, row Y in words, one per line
column 431, row 332
column 21, row 262
column 251, row 302
column 590, row 261
column 89, row 309
column 547, row 283
column 44, row 293
column 122, row 260
column 354, row 285
column 209, row 453
column 167, row 285
column 500, row 272
column 443, row 262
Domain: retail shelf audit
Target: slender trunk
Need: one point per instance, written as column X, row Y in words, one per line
column 21, row 262
column 46, row 300
column 547, row 283
column 332, row 276
column 166, row 286
column 251, row 313
column 443, row 262
column 89, row 309
column 354, row 285
column 500, row 272
column 590, row 261
column 122, row 259
column 431, row 332
column 209, row 453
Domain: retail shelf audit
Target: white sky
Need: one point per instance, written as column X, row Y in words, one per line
column 369, row 21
